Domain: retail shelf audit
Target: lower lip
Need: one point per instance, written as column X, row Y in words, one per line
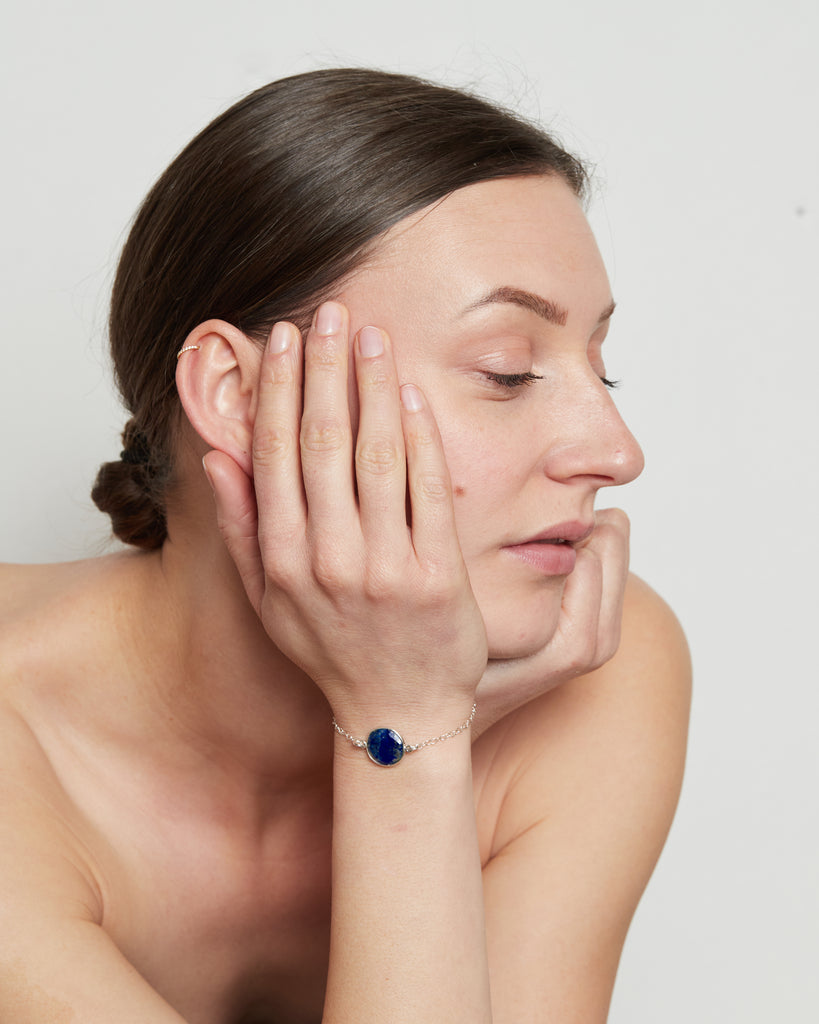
column 550, row 559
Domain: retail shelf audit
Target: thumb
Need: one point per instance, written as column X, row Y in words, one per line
column 237, row 519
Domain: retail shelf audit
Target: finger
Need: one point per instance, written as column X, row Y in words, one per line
column 236, row 516
column 434, row 537
column 611, row 540
column 276, row 460
column 575, row 642
column 380, row 457
column 326, row 435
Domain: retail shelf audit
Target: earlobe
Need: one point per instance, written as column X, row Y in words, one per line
column 216, row 376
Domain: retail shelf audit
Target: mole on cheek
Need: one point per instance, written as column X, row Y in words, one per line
column 458, row 491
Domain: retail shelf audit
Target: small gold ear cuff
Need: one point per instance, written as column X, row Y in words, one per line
column 187, row 348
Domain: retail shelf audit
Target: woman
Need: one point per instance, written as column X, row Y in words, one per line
column 375, row 308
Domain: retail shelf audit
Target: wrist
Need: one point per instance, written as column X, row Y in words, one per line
column 387, row 745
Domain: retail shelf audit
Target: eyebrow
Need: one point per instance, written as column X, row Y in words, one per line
column 547, row 310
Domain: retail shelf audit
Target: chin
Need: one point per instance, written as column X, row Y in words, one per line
column 517, row 636
column 515, row 651
column 520, row 616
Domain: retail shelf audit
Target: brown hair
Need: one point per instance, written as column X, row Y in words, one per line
column 264, row 213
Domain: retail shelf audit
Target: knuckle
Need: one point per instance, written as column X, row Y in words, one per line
column 421, row 438
column 382, row 583
column 271, row 443
column 432, row 487
column 607, row 653
column 608, row 640
column 282, row 573
column 443, row 583
column 330, row 570
column 322, row 437
column 578, row 665
column 449, row 587
column 377, row 455
column 586, row 658
column 614, row 519
column 578, row 652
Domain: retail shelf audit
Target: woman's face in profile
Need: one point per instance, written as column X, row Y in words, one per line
column 497, row 303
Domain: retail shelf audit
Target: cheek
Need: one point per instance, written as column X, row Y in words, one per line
column 486, row 455
column 484, row 477
column 464, row 462
column 478, row 457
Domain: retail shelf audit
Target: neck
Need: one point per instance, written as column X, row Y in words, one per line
column 224, row 688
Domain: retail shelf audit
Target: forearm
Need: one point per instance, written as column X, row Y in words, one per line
column 408, row 938
column 376, row 607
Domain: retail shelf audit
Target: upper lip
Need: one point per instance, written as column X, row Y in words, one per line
column 574, row 532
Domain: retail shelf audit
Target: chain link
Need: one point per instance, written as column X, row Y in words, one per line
column 410, row 748
column 361, row 744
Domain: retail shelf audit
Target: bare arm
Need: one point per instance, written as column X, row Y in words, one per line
column 383, row 619
column 386, row 625
column 596, row 766
column 408, row 935
column 379, row 612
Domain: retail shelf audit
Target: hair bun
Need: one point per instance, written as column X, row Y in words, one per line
column 126, row 491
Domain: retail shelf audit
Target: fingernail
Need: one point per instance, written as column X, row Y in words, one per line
column 370, row 342
column 329, row 318
column 411, row 398
column 279, row 338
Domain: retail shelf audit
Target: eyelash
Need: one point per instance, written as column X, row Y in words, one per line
column 513, row 380
column 516, row 380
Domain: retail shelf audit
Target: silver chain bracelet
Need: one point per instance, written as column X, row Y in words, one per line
column 386, row 747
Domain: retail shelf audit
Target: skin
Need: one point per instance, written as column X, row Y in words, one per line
column 176, row 796
column 475, row 241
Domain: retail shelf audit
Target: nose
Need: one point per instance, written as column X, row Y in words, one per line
column 592, row 440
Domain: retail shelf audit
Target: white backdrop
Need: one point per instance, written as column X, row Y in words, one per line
column 703, row 120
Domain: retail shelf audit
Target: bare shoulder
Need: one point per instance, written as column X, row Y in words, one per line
column 31, row 595
column 19, row 582
column 34, row 810
column 653, row 637
column 20, row 585
column 48, row 629
column 612, row 741
column 591, row 777
column 45, row 879
column 50, row 613
column 41, row 858
column 32, row 588
column 53, row 949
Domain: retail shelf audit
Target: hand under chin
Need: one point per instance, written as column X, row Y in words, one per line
column 521, row 667
column 517, row 633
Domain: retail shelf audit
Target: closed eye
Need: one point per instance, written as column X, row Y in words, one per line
column 512, row 380
column 516, row 380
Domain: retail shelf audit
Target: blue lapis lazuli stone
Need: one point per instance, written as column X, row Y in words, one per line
column 385, row 747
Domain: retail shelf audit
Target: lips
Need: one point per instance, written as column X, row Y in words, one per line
column 552, row 552
column 574, row 532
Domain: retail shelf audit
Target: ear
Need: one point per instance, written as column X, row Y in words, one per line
column 216, row 381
